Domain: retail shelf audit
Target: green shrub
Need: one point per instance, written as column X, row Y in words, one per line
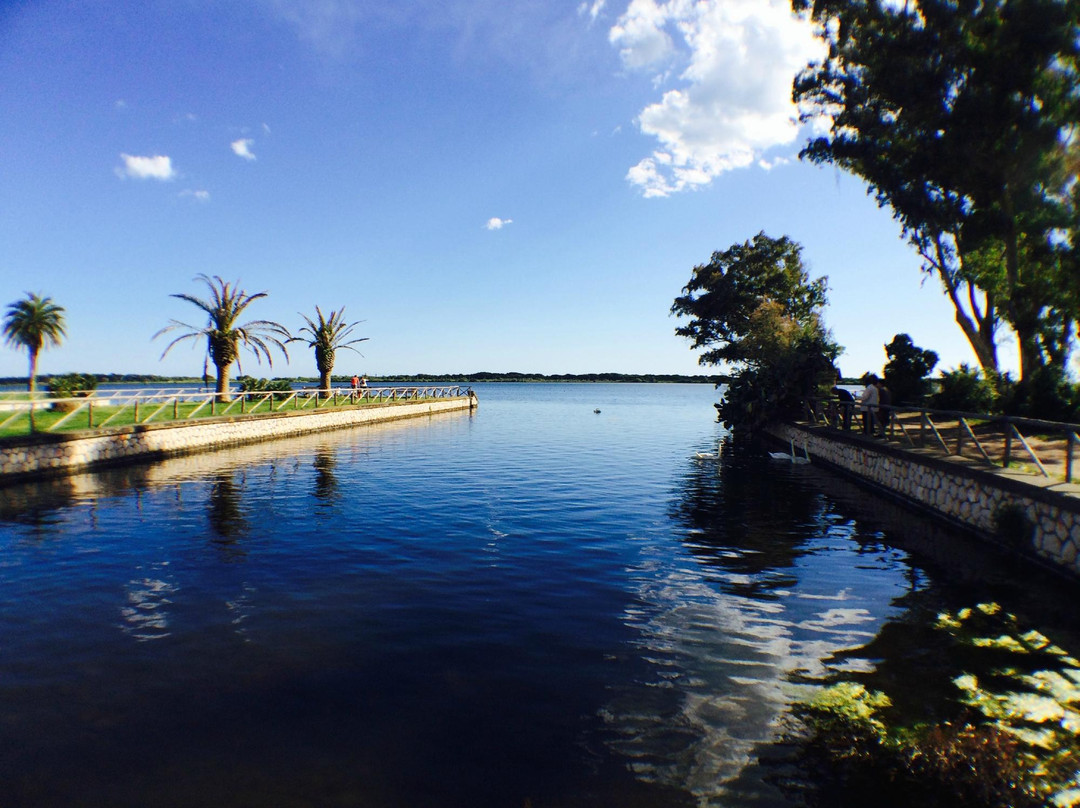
column 1013, row 527
column 1045, row 394
column 964, row 389
column 71, row 385
column 281, row 388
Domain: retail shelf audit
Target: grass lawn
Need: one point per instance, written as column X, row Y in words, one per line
column 46, row 419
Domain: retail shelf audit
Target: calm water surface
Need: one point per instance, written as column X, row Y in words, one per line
column 535, row 604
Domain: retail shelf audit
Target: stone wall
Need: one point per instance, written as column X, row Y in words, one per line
column 1034, row 519
column 45, row 454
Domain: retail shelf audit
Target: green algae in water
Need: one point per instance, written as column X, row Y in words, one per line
column 1017, row 743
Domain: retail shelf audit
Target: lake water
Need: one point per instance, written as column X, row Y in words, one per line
column 535, row 604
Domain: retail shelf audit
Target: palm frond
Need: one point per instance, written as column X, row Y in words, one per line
column 223, row 306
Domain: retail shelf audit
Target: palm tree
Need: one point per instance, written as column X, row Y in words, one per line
column 33, row 324
column 224, row 336
column 327, row 335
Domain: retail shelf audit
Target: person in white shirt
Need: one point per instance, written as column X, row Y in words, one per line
column 868, row 403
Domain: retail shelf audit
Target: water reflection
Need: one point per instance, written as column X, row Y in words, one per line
column 37, row 501
column 530, row 604
column 326, row 483
column 146, row 614
column 775, row 591
column 226, row 513
column 798, row 579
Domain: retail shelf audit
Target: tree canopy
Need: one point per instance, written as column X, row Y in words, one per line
column 962, row 116
column 327, row 335
column 33, row 323
column 723, row 297
column 223, row 332
column 907, row 370
column 755, row 310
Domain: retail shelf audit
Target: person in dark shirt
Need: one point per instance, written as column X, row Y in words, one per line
column 845, row 405
column 884, row 400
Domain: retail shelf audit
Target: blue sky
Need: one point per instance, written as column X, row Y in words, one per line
column 488, row 185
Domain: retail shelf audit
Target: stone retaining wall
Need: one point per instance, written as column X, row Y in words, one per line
column 45, row 454
column 1035, row 520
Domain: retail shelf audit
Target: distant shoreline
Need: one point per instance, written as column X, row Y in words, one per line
column 417, row 378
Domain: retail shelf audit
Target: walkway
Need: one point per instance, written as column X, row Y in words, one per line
column 979, row 442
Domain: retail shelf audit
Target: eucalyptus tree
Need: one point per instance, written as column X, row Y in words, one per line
column 33, row 323
column 962, row 117
column 327, row 335
column 223, row 332
column 756, row 311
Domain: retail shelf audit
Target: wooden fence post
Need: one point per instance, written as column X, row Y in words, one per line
column 1070, row 444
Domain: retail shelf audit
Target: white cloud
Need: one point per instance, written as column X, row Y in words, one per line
column 198, row 196
column 592, row 10
column 738, row 60
column 242, row 148
column 158, row 167
column 495, row 223
column 640, row 35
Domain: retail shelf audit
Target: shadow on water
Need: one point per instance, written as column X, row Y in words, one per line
column 749, row 516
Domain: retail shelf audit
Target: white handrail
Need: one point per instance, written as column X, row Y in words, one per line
column 123, row 400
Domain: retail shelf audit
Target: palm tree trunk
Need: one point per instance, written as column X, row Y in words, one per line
column 324, row 380
column 31, row 383
column 222, row 382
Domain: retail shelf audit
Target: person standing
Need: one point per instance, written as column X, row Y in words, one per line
column 884, row 400
column 868, row 403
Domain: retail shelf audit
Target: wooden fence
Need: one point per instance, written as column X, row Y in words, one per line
column 997, row 440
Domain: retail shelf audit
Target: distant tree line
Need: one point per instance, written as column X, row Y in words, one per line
column 417, row 378
column 512, row 376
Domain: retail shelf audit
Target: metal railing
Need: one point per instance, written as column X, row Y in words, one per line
column 996, row 438
column 101, row 408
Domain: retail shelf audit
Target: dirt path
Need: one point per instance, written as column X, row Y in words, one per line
column 1050, row 449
